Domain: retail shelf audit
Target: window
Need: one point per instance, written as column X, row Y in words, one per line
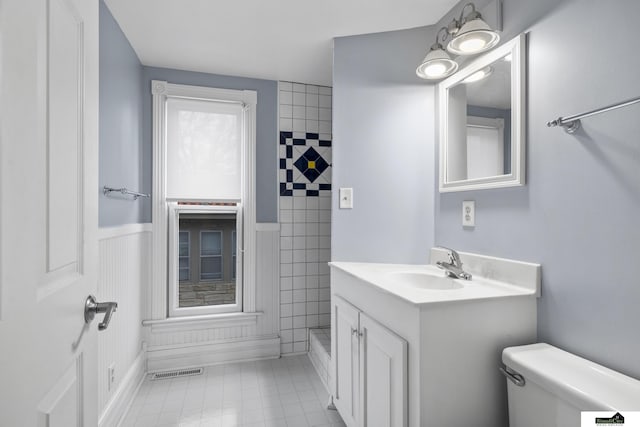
column 210, row 255
column 213, row 279
column 183, row 256
column 204, row 177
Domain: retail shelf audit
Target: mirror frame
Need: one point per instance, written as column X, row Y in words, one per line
column 517, row 48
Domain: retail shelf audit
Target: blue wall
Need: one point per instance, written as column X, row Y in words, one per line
column 383, row 130
column 266, row 128
column 575, row 216
column 126, row 127
column 120, row 147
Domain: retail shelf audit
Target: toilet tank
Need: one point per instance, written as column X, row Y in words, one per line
column 559, row 385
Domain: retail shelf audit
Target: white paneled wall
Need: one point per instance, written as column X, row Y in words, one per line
column 125, row 277
column 124, row 270
column 305, row 211
column 183, row 342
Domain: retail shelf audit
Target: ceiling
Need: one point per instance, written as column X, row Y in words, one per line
column 270, row 39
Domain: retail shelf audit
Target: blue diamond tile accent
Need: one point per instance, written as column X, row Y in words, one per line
column 308, row 177
column 311, row 164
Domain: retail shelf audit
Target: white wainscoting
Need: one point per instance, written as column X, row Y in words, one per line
column 180, row 343
column 124, row 274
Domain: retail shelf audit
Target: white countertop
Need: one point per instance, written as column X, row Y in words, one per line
column 381, row 276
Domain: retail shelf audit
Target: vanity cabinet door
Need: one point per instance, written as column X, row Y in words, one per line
column 383, row 373
column 346, row 356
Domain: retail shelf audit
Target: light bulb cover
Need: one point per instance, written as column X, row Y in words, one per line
column 473, row 37
column 437, row 64
column 479, row 75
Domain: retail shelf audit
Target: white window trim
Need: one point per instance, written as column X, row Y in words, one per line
column 173, row 226
column 161, row 91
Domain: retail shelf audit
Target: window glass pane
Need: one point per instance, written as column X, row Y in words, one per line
column 207, row 277
column 210, row 243
column 183, row 245
column 211, row 268
column 204, row 140
column 184, row 238
column 183, row 256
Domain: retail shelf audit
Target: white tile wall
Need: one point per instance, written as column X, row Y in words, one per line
column 305, row 220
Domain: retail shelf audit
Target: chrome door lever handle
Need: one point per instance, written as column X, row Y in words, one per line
column 92, row 307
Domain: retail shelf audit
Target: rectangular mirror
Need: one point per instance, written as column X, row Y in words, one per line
column 481, row 119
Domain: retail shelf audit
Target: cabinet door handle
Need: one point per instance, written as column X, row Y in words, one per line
column 354, row 331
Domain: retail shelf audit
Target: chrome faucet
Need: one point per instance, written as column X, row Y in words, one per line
column 453, row 268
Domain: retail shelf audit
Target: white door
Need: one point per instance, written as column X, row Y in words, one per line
column 48, row 211
column 345, row 357
column 383, row 373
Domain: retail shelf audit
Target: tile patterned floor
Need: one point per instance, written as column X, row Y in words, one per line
column 284, row 392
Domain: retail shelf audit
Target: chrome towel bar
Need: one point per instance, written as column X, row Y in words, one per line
column 572, row 123
column 107, row 190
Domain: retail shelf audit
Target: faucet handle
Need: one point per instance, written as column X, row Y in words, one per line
column 454, row 257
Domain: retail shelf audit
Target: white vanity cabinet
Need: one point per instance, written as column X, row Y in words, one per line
column 371, row 370
column 406, row 355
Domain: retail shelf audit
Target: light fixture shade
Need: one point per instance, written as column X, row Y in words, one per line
column 479, row 75
column 437, row 64
column 473, row 37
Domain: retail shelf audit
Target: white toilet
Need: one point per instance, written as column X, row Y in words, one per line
column 550, row 387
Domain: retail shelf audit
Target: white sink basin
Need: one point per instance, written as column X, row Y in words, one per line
column 424, row 280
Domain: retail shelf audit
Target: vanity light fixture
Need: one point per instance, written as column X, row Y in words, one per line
column 437, row 64
column 471, row 35
column 479, row 75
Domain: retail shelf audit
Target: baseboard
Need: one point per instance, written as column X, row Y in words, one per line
column 121, row 399
column 296, row 353
column 171, row 357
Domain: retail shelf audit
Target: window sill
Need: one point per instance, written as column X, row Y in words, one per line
column 204, row 321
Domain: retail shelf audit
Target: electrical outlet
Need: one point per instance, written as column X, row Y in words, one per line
column 346, row 198
column 111, row 376
column 469, row 213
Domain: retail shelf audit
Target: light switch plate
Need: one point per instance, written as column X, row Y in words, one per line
column 469, row 213
column 346, row 198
